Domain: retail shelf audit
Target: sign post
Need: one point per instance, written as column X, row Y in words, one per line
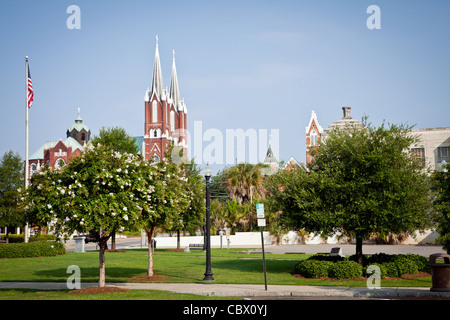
column 262, row 224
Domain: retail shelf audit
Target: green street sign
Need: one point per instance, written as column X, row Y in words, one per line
column 260, row 210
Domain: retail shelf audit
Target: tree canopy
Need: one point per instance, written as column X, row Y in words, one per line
column 441, row 187
column 11, row 180
column 362, row 181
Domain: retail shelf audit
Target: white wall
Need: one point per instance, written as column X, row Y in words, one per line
column 240, row 239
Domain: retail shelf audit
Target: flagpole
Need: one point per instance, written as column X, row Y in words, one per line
column 26, row 138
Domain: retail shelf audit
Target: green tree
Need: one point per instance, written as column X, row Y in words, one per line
column 363, row 181
column 115, row 139
column 169, row 198
column 99, row 192
column 191, row 218
column 244, row 181
column 11, row 180
column 441, row 187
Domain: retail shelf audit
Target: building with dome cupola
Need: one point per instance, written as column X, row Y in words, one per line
column 58, row 153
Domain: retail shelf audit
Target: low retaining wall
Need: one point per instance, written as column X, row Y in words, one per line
column 241, row 239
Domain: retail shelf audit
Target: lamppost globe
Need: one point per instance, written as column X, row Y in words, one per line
column 207, row 171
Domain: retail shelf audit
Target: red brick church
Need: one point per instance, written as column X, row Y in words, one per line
column 165, row 115
column 58, row 153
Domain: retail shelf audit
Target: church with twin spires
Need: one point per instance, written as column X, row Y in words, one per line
column 165, row 115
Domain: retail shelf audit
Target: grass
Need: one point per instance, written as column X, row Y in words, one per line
column 227, row 266
column 32, row 294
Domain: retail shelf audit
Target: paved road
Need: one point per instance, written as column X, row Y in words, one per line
column 347, row 249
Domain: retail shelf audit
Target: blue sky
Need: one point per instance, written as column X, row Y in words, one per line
column 241, row 64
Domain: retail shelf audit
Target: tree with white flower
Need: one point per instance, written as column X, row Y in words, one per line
column 100, row 192
column 169, row 198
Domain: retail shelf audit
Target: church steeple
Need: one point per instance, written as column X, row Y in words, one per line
column 157, row 83
column 174, row 90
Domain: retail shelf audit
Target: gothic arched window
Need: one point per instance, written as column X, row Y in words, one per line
column 155, row 111
column 172, row 121
column 314, row 138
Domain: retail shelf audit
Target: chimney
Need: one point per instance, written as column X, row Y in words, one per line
column 346, row 111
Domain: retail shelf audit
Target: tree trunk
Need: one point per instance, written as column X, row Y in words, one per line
column 178, row 239
column 150, row 251
column 113, row 240
column 359, row 251
column 101, row 276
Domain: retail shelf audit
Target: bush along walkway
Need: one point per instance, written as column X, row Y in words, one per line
column 386, row 266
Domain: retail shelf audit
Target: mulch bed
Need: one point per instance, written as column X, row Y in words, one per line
column 95, row 290
column 405, row 276
column 155, row 277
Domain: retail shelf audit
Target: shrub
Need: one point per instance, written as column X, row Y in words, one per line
column 14, row 238
column 31, row 249
column 392, row 269
column 383, row 270
column 345, row 270
column 421, row 262
column 354, row 257
column 380, row 258
column 406, row 265
column 313, row 268
column 43, row 237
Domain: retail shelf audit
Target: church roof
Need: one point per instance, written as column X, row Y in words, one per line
column 69, row 142
column 270, row 158
column 174, row 90
column 157, row 80
column 314, row 118
column 78, row 125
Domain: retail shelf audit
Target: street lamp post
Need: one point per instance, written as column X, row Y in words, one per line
column 208, row 273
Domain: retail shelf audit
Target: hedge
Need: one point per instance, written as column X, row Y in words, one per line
column 313, row 268
column 391, row 265
column 18, row 238
column 346, row 270
column 31, row 249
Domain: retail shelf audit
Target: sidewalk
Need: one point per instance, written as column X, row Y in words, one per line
column 249, row 290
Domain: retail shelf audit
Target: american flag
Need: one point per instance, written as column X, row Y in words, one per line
column 30, row 89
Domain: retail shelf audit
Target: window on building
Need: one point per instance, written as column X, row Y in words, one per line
column 83, row 136
column 443, row 153
column 418, row 152
column 314, row 138
column 155, row 111
column 59, row 163
column 155, row 133
column 33, row 169
column 172, row 121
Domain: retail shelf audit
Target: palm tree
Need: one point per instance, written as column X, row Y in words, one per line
column 244, row 181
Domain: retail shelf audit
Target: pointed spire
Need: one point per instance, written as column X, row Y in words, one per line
column 157, row 85
column 174, row 91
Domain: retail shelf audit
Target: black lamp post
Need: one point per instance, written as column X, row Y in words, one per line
column 208, row 273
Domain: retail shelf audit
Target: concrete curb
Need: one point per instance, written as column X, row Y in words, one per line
column 242, row 290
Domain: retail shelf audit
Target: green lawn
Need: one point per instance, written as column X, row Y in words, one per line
column 227, row 267
column 32, row 294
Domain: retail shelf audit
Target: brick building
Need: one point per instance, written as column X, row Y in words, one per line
column 165, row 115
column 59, row 153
